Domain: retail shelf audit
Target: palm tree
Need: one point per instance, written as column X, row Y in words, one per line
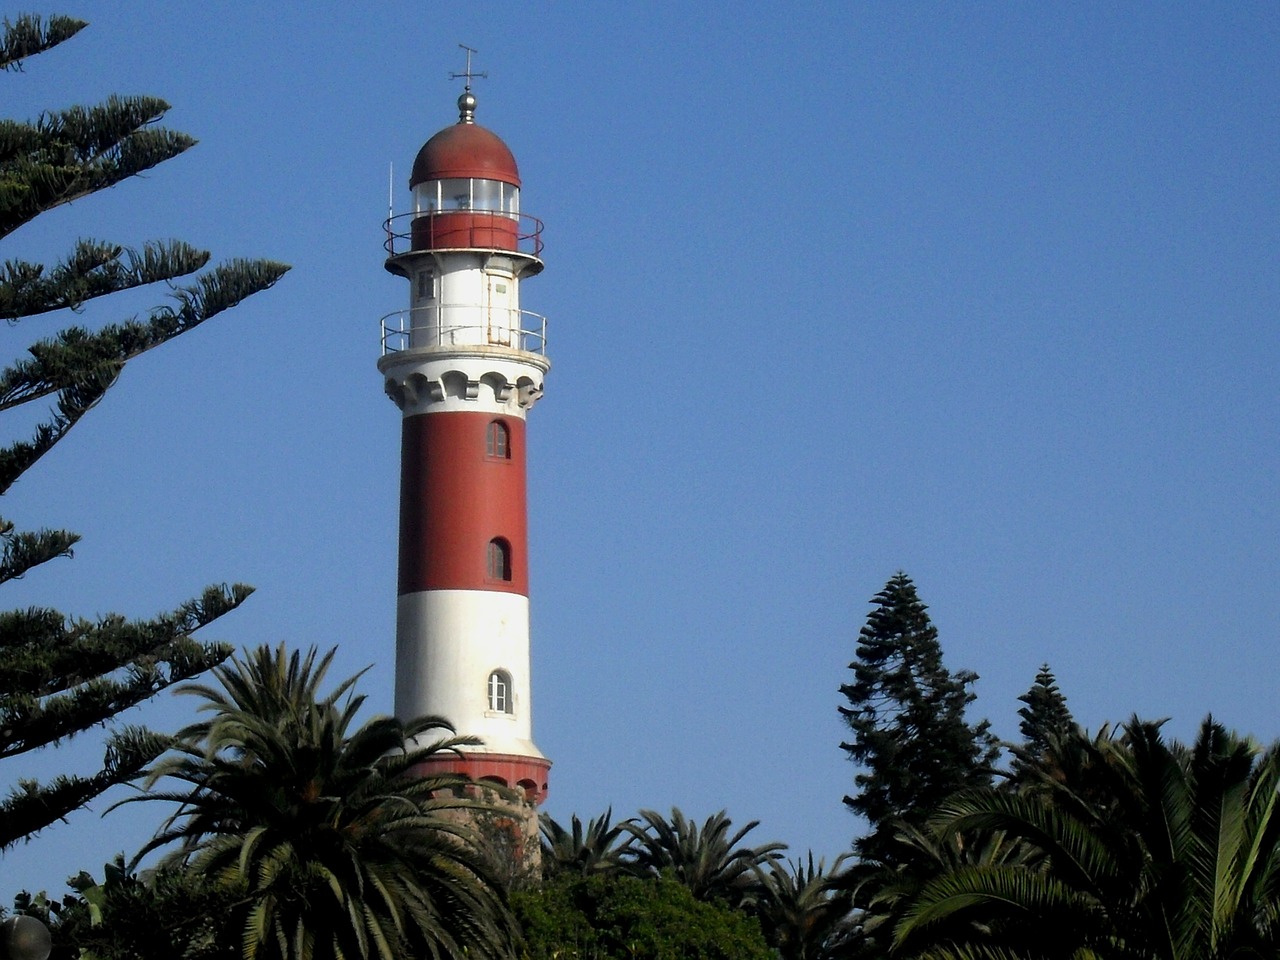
column 881, row 891
column 338, row 848
column 804, row 914
column 1143, row 849
column 595, row 849
column 708, row 860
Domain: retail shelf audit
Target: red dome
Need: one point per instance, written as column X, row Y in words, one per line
column 465, row 150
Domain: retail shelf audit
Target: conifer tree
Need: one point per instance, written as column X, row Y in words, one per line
column 60, row 675
column 906, row 712
column 1045, row 718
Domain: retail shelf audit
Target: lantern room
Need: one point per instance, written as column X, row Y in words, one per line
column 466, row 188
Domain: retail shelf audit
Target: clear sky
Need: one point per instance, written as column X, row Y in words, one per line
column 983, row 292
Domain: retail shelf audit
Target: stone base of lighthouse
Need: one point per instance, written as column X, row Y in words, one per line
column 507, row 829
column 505, row 820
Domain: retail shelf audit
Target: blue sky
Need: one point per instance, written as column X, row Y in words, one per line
column 983, row 292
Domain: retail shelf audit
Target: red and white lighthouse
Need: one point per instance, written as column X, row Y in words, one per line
column 465, row 364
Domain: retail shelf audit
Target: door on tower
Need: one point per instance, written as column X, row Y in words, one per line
column 503, row 313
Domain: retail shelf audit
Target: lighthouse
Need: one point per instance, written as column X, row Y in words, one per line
column 465, row 364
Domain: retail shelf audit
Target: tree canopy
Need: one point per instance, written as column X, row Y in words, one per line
column 599, row 846
column 803, row 910
column 621, row 917
column 334, row 843
column 1138, row 847
column 906, row 711
column 1044, row 718
column 709, row 860
column 61, row 674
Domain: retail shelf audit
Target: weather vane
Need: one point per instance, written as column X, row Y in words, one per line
column 468, row 74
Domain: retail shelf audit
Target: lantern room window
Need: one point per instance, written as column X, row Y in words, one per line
column 461, row 193
column 486, row 194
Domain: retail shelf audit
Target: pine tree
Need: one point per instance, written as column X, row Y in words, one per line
column 906, row 711
column 60, row 675
column 1045, row 718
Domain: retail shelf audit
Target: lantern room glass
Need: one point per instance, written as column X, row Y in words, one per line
column 460, row 193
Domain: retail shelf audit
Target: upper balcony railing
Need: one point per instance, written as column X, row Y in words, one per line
column 454, row 229
column 498, row 327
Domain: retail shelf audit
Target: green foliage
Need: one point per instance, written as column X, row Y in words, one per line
column 804, row 911
column 168, row 915
column 28, row 35
column 906, row 712
column 508, row 850
column 1140, row 848
column 620, row 917
column 707, row 860
column 1045, row 718
column 331, row 841
column 67, row 154
column 882, row 891
column 60, row 674
column 601, row 847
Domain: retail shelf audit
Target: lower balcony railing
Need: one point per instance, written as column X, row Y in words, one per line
column 518, row 329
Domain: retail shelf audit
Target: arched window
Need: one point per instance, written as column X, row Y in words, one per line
column 499, row 559
column 498, row 441
column 500, row 692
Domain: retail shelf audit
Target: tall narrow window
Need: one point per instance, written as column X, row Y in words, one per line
column 499, row 559
column 500, row 692
column 498, row 441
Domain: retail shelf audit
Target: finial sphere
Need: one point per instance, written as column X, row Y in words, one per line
column 467, row 107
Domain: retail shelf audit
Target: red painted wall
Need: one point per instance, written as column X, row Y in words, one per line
column 523, row 773
column 454, row 499
column 449, row 230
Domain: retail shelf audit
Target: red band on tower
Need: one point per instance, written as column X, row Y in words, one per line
column 458, row 495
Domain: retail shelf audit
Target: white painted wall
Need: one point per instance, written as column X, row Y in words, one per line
column 472, row 298
column 447, row 644
column 506, row 381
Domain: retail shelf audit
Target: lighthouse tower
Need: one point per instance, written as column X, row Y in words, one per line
column 465, row 364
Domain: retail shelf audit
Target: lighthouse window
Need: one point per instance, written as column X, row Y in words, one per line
column 486, row 195
column 455, row 194
column 500, row 692
column 461, row 193
column 498, row 442
column 426, row 284
column 499, row 560
column 428, row 196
